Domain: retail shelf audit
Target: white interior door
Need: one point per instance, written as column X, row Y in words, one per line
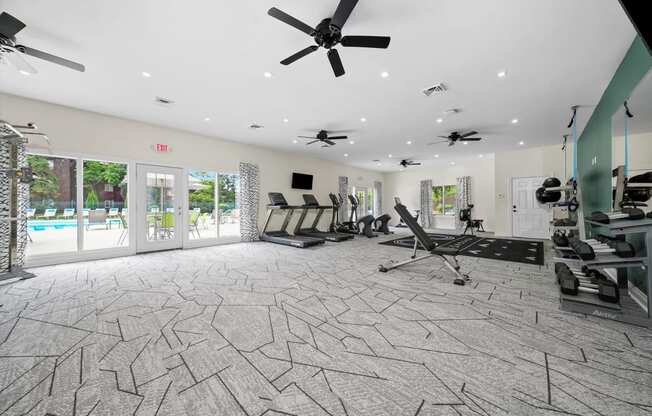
column 529, row 218
column 159, row 219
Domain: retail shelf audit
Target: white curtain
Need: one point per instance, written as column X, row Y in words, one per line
column 249, row 200
column 378, row 198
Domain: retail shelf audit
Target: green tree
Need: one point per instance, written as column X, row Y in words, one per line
column 46, row 184
column 92, row 201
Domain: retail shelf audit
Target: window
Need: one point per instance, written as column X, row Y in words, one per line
column 443, row 199
column 214, row 206
column 51, row 220
column 105, row 209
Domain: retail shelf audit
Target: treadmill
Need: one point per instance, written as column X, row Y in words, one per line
column 277, row 203
column 311, row 203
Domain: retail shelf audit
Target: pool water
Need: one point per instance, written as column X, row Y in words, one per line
column 45, row 225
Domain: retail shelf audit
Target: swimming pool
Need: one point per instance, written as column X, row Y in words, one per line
column 49, row 225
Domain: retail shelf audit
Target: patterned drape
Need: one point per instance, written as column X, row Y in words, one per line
column 463, row 198
column 426, row 204
column 343, row 189
column 249, row 200
column 378, row 198
column 22, row 194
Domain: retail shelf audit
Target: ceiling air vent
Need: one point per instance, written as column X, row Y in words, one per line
column 452, row 111
column 256, row 126
column 435, row 89
column 163, row 101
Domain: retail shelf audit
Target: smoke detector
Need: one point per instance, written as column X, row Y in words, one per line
column 255, row 126
column 439, row 88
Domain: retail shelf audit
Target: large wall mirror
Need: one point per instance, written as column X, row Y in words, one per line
column 632, row 148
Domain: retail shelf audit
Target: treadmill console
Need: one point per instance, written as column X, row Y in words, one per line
column 310, row 200
column 277, row 199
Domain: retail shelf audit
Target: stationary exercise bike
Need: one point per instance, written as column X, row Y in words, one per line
column 471, row 224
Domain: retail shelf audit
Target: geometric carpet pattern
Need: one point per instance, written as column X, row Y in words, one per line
column 263, row 329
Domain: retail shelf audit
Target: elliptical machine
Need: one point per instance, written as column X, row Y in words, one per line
column 336, row 226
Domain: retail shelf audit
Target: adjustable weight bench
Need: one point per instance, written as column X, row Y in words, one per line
column 449, row 248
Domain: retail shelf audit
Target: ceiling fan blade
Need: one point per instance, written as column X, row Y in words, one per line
column 337, row 131
column 471, row 133
column 444, row 137
column 338, row 137
column 9, row 25
column 414, row 164
column 309, row 143
column 299, row 55
column 336, row 62
column 19, row 62
column 343, row 12
column 329, row 142
column 472, row 139
column 50, row 58
column 380, row 42
column 441, row 141
column 306, row 137
column 292, row 21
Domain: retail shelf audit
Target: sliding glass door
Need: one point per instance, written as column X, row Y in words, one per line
column 213, row 205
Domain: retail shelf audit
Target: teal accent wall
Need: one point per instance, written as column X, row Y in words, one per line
column 595, row 140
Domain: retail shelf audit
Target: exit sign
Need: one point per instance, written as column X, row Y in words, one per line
column 162, row 148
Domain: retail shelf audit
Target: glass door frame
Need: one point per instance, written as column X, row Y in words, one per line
column 143, row 244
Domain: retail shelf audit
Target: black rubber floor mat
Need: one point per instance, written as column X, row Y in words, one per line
column 520, row 251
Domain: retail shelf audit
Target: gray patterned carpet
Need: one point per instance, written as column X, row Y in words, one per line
column 262, row 329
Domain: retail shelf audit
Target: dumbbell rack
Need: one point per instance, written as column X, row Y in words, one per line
column 627, row 310
column 569, row 193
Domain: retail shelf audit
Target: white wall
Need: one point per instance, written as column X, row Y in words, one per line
column 538, row 161
column 640, row 152
column 81, row 133
column 406, row 185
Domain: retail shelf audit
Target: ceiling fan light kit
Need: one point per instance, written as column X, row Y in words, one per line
column 328, row 34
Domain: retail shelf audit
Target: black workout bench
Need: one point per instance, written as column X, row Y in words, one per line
column 450, row 248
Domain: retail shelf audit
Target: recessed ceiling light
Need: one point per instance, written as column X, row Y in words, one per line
column 502, row 74
column 389, row 155
column 402, row 169
column 267, row 74
column 465, row 143
column 440, row 120
column 207, row 119
column 146, row 74
column 436, row 156
column 480, row 156
column 378, row 164
column 295, row 141
column 453, row 163
column 408, row 142
column 285, row 120
column 351, row 141
column 514, row 121
column 363, row 120
column 384, row 74
column 346, row 155
column 521, row 143
column 22, row 71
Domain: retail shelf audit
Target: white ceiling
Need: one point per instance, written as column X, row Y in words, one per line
column 209, row 56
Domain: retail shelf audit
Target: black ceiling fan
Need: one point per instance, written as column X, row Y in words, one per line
column 455, row 136
column 328, row 34
column 407, row 162
column 11, row 51
column 323, row 137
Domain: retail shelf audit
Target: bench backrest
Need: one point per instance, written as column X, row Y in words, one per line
column 419, row 233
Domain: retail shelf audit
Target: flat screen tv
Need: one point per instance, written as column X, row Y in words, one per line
column 301, row 181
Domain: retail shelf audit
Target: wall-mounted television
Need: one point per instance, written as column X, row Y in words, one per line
column 301, row 181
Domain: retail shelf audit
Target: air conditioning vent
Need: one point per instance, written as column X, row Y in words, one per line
column 452, row 111
column 256, row 126
column 435, row 89
column 163, row 101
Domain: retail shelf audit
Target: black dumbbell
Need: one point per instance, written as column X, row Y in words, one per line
column 560, row 239
column 572, row 284
column 621, row 248
column 583, row 250
column 624, row 214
